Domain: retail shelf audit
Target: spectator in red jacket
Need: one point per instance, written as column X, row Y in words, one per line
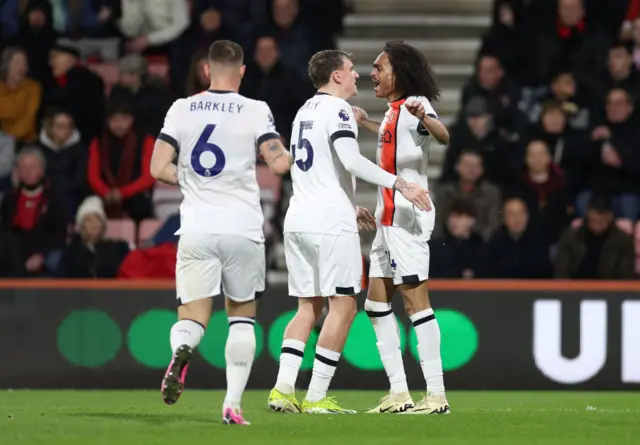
column 33, row 220
column 118, row 169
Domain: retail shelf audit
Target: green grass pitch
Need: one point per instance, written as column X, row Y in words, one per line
column 140, row 418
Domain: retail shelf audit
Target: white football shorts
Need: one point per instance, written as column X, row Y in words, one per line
column 322, row 265
column 208, row 265
column 400, row 254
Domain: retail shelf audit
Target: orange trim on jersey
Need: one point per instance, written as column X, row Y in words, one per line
column 388, row 161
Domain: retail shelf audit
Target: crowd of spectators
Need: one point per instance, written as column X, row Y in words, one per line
column 542, row 176
column 84, row 88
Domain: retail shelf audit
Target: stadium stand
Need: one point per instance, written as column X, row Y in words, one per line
column 515, row 76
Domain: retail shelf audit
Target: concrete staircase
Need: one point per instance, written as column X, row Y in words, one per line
column 447, row 31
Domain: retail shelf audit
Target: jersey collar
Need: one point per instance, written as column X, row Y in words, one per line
column 398, row 102
column 221, row 91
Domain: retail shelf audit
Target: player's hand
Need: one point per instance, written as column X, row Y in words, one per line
column 360, row 114
column 416, row 108
column 366, row 221
column 414, row 193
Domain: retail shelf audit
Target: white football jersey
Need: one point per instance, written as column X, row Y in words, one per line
column 216, row 135
column 323, row 198
column 403, row 149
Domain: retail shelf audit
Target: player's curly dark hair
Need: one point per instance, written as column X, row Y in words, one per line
column 413, row 75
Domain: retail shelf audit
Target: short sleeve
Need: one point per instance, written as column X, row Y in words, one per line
column 342, row 123
column 265, row 124
column 169, row 132
column 428, row 109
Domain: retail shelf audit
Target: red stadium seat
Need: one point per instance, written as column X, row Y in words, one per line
column 160, row 70
column 122, row 229
column 166, row 200
column 626, row 225
column 109, row 73
column 148, row 228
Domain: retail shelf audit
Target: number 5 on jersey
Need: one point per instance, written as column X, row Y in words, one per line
column 303, row 143
column 204, row 146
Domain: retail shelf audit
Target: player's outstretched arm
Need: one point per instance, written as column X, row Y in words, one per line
column 276, row 156
column 363, row 120
column 349, row 154
column 162, row 168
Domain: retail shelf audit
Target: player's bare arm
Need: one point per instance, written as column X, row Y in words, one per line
column 414, row 193
column 433, row 125
column 162, row 168
column 349, row 154
column 276, row 156
column 363, row 120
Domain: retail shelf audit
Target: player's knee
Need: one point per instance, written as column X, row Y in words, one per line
column 344, row 307
column 310, row 311
column 415, row 299
column 376, row 308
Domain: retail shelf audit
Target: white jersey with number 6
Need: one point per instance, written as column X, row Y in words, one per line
column 216, row 135
column 323, row 198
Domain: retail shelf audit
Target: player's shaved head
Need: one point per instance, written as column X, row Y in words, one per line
column 226, row 53
column 323, row 64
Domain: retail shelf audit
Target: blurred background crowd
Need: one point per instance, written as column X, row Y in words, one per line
column 541, row 178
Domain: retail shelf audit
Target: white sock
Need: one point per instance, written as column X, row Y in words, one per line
column 186, row 332
column 290, row 362
column 324, row 367
column 428, row 335
column 239, row 354
column 388, row 334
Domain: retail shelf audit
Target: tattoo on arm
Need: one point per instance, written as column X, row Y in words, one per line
column 400, row 184
column 276, row 150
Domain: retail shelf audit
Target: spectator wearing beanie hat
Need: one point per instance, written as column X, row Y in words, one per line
column 90, row 254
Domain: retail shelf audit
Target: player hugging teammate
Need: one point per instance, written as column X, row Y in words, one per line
column 214, row 136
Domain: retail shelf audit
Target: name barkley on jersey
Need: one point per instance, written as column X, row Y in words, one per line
column 223, row 107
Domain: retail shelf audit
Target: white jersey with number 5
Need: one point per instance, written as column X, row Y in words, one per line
column 323, row 198
column 216, row 135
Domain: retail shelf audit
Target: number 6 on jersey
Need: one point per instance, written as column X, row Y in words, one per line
column 204, row 146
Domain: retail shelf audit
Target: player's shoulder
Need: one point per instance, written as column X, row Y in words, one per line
column 180, row 103
column 253, row 103
column 338, row 103
column 337, row 108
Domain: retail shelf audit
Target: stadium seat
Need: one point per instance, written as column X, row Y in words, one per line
column 108, row 72
column 122, row 229
column 147, row 229
column 166, row 200
column 626, row 225
column 159, row 69
column 269, row 183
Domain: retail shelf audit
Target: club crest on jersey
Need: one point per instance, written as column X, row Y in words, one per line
column 343, row 115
